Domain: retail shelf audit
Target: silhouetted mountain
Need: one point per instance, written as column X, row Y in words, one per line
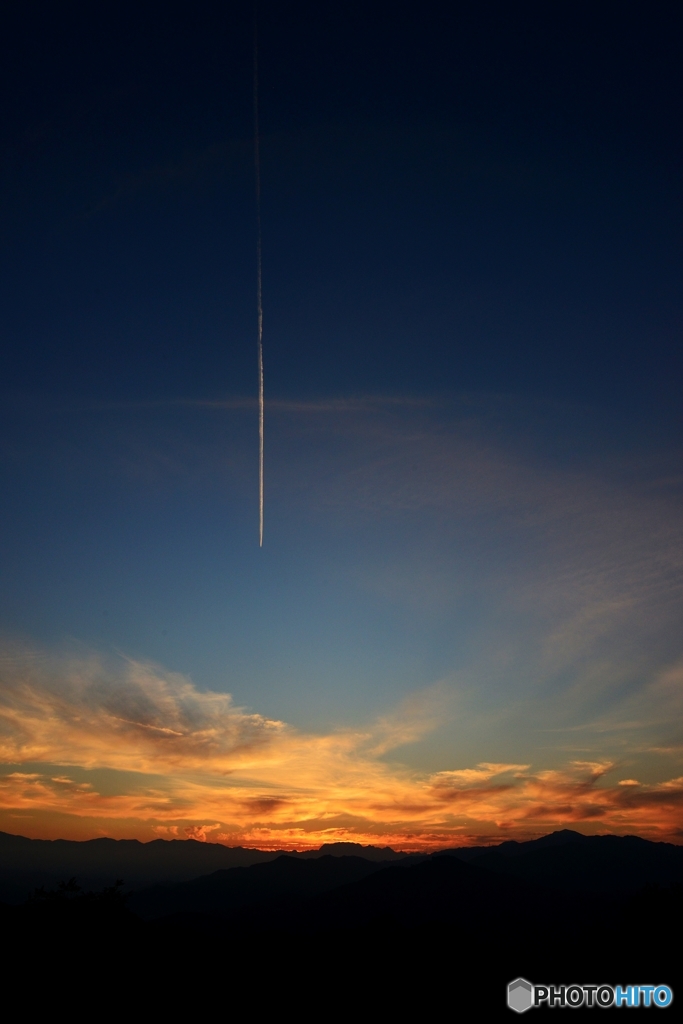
column 414, row 932
column 286, row 880
column 568, row 860
column 377, row 853
column 564, row 860
column 28, row 864
column 531, row 886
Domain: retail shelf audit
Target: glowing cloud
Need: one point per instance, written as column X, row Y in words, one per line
column 92, row 749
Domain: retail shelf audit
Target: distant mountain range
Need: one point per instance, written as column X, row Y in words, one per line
column 563, row 860
column 28, row 864
column 570, row 860
column 466, row 921
column 561, row 868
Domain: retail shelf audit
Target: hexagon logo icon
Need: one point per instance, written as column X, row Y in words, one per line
column 520, row 995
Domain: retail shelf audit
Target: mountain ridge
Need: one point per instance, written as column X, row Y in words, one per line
column 561, row 860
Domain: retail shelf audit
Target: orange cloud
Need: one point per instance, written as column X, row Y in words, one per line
column 176, row 758
column 200, row 832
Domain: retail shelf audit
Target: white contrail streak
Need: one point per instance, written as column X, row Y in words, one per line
column 259, row 300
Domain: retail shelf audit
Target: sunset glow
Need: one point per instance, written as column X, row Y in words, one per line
column 147, row 755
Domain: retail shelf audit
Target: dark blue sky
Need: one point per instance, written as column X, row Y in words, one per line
column 456, row 197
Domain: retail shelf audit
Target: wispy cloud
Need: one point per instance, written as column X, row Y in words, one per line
column 208, row 769
column 81, row 712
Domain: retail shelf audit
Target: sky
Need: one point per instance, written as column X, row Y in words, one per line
column 466, row 621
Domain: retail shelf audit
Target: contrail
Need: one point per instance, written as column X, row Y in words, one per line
column 259, row 301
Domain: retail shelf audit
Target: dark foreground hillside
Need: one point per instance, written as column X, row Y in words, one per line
column 340, row 936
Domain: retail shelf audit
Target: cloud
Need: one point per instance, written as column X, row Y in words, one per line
column 259, row 782
column 83, row 712
column 200, row 832
column 466, row 777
